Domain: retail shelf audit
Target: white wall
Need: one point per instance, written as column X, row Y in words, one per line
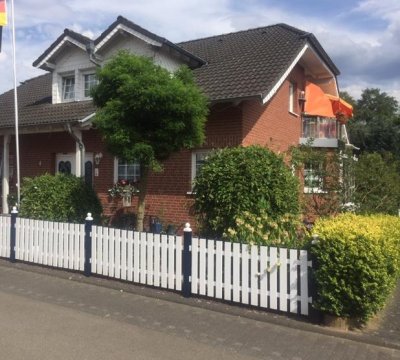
column 75, row 61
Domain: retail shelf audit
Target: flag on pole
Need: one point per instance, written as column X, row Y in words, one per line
column 3, row 18
column 3, row 13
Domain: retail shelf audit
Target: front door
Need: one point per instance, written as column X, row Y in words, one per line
column 65, row 164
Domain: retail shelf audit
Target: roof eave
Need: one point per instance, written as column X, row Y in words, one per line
column 125, row 25
column 267, row 96
column 67, row 37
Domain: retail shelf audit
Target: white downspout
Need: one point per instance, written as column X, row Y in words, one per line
column 6, row 172
column 80, row 152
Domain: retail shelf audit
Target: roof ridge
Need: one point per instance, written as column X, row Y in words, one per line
column 123, row 20
column 288, row 27
column 68, row 31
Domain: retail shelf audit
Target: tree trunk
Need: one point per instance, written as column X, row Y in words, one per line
column 142, row 187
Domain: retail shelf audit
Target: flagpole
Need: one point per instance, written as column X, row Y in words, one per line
column 15, row 103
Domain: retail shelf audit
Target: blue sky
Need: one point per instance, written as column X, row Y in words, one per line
column 361, row 36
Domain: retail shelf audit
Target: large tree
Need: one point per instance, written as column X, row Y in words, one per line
column 377, row 184
column 145, row 113
column 376, row 123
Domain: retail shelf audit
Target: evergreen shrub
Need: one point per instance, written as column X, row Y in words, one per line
column 236, row 180
column 357, row 263
column 64, row 198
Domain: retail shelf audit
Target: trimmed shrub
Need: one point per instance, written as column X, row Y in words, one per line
column 61, row 197
column 239, row 179
column 357, row 263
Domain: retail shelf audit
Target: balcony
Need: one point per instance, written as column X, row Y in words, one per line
column 324, row 131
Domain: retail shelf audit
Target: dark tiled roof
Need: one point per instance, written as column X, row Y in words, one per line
column 35, row 107
column 132, row 25
column 67, row 32
column 195, row 60
column 249, row 63
column 239, row 65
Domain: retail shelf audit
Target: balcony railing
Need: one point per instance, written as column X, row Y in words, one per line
column 324, row 131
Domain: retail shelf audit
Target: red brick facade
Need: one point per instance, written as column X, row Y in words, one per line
column 229, row 124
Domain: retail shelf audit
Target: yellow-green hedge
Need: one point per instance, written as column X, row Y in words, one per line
column 357, row 263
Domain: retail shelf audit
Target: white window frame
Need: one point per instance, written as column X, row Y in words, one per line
column 116, row 169
column 292, row 96
column 310, row 172
column 195, row 154
column 91, row 83
column 64, row 79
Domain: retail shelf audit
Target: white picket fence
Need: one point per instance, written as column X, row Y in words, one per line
column 265, row 277
column 5, row 225
column 50, row 243
column 145, row 258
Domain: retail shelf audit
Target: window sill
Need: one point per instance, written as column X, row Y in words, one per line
column 64, row 101
column 294, row 114
column 314, row 191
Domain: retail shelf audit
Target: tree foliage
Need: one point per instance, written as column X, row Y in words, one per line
column 243, row 179
column 375, row 126
column 334, row 169
column 377, row 184
column 146, row 113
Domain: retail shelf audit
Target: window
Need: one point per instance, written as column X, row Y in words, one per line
column 127, row 171
column 90, row 82
column 313, row 178
column 68, row 88
column 198, row 159
column 292, row 97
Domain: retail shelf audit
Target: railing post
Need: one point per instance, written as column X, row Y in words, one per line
column 88, row 245
column 13, row 237
column 187, row 261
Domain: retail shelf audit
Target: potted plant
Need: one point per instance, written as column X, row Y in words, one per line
column 125, row 190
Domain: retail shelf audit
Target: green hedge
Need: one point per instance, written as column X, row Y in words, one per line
column 237, row 180
column 63, row 198
column 357, row 263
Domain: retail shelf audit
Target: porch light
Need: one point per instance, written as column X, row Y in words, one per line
column 97, row 158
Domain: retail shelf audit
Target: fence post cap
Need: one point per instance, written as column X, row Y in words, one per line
column 89, row 217
column 187, row 227
column 14, row 210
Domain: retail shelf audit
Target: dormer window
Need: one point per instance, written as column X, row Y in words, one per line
column 90, row 82
column 68, row 88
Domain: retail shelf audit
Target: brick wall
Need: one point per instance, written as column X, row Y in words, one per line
column 272, row 124
column 168, row 195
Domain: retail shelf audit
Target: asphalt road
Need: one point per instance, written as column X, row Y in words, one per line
column 46, row 317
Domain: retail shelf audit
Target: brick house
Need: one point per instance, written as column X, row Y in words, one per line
column 257, row 82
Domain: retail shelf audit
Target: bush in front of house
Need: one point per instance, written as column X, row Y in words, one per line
column 235, row 180
column 64, row 198
column 357, row 263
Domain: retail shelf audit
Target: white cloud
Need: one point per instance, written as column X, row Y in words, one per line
column 366, row 56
